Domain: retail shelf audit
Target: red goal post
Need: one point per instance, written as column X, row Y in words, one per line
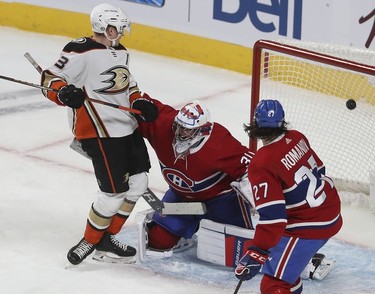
column 313, row 82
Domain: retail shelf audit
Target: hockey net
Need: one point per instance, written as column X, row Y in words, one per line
column 313, row 82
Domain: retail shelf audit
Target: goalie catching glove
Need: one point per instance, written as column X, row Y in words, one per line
column 243, row 189
column 71, row 96
column 251, row 263
column 148, row 108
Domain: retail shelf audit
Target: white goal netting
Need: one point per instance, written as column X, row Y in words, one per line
column 314, row 82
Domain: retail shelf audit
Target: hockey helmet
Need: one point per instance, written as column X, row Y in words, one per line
column 269, row 114
column 191, row 124
column 105, row 15
column 193, row 115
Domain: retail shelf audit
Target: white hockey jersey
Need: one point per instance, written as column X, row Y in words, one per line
column 103, row 73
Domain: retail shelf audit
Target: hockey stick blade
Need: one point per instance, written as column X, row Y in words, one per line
column 180, row 208
column 184, row 208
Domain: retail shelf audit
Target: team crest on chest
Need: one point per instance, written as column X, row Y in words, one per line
column 117, row 81
column 177, row 180
column 181, row 182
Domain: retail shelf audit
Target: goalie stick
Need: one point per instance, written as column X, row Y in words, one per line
column 167, row 208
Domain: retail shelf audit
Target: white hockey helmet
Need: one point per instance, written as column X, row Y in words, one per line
column 193, row 115
column 191, row 125
column 105, row 15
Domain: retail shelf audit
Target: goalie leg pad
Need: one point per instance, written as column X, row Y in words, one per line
column 142, row 218
column 222, row 244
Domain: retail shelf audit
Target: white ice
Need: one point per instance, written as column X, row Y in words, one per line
column 46, row 188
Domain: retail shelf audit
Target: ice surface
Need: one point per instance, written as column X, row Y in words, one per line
column 46, row 188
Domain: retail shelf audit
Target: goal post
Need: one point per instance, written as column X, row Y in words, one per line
column 314, row 82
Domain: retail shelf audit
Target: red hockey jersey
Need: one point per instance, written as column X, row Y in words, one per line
column 209, row 170
column 292, row 194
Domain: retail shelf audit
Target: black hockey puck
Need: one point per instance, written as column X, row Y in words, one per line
column 351, row 104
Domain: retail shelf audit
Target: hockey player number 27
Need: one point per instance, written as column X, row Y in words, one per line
column 315, row 195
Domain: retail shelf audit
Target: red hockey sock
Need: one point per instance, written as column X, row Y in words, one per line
column 116, row 224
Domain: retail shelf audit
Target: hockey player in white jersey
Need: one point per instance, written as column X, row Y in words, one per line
column 98, row 67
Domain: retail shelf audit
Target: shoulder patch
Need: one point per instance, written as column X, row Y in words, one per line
column 79, row 40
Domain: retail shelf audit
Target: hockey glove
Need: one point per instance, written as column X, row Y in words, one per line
column 243, row 189
column 251, row 263
column 149, row 110
column 71, row 96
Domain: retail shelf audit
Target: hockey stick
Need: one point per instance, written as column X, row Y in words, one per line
column 33, row 62
column 135, row 111
column 242, row 278
column 180, row 208
column 238, row 285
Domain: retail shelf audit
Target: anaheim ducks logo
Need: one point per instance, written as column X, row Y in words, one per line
column 118, row 82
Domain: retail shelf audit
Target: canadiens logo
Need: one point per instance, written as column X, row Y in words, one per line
column 118, row 81
column 178, row 180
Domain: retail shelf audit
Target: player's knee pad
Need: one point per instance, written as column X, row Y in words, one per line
column 138, row 184
column 222, row 244
column 107, row 204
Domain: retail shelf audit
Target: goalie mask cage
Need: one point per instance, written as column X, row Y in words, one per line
column 313, row 82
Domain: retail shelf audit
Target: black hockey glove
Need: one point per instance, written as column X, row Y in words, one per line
column 149, row 110
column 71, row 96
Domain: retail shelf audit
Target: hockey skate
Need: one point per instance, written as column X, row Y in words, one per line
column 321, row 266
column 79, row 252
column 110, row 250
column 184, row 244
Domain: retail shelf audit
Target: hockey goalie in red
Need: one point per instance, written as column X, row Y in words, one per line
column 298, row 205
column 199, row 160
